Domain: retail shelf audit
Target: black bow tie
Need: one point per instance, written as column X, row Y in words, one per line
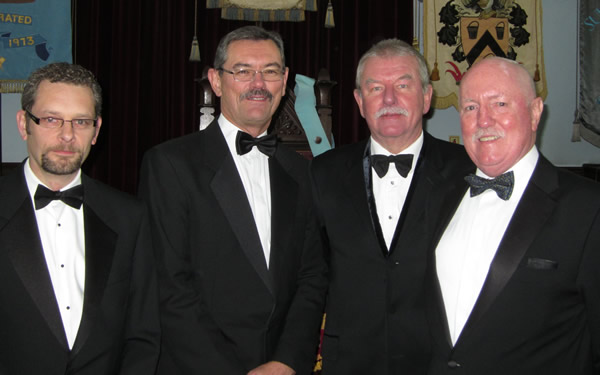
column 244, row 143
column 381, row 163
column 73, row 196
column 502, row 185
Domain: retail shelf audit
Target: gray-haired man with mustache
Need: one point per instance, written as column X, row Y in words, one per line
column 241, row 270
column 371, row 199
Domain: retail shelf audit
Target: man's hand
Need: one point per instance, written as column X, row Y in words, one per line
column 273, row 368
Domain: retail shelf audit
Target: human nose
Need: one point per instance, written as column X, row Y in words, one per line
column 484, row 119
column 257, row 79
column 389, row 96
column 67, row 131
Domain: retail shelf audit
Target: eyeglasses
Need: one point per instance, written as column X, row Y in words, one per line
column 55, row 122
column 247, row 75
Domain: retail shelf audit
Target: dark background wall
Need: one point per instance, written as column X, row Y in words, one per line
column 139, row 50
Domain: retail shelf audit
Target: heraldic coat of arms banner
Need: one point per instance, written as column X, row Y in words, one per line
column 457, row 33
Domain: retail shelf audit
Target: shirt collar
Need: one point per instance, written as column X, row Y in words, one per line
column 522, row 170
column 230, row 131
column 33, row 181
column 414, row 148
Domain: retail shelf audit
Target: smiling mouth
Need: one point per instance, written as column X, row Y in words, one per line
column 488, row 138
column 257, row 98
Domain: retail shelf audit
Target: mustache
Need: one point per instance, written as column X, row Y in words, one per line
column 486, row 133
column 257, row 92
column 391, row 111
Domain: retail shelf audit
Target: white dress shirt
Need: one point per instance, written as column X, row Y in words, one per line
column 253, row 169
column 390, row 191
column 470, row 241
column 62, row 233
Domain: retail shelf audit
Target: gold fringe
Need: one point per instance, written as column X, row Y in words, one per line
column 12, row 86
column 444, row 102
column 536, row 75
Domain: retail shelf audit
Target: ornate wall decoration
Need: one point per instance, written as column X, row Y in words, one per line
column 263, row 10
column 457, row 33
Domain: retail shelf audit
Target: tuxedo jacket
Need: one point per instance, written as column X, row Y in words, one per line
column 375, row 322
column 539, row 308
column 222, row 310
column 119, row 331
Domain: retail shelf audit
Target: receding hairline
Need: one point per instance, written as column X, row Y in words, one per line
column 509, row 68
column 391, row 48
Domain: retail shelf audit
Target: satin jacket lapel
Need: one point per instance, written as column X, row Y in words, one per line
column 354, row 185
column 533, row 211
column 100, row 243
column 25, row 251
column 20, row 237
column 230, row 194
column 284, row 198
column 443, row 200
column 425, row 177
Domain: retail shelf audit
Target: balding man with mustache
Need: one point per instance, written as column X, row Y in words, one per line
column 515, row 282
column 370, row 199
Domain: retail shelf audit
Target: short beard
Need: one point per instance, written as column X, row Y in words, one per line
column 61, row 167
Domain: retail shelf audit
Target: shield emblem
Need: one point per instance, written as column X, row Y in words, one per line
column 483, row 37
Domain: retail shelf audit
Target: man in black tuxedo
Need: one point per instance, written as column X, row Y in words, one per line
column 373, row 221
column 515, row 284
column 241, row 272
column 79, row 293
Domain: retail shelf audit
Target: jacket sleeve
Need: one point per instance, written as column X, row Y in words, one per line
column 142, row 335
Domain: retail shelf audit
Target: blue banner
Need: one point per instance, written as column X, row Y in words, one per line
column 32, row 34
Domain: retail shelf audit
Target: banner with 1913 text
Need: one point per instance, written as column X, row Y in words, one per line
column 32, row 34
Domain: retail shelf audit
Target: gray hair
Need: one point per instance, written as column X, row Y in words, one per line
column 393, row 48
column 61, row 72
column 246, row 33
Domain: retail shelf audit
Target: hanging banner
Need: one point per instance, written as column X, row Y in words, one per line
column 32, row 34
column 587, row 117
column 457, row 33
column 263, row 10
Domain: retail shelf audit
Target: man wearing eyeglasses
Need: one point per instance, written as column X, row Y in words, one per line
column 241, row 273
column 78, row 291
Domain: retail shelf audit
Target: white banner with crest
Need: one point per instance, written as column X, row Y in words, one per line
column 457, row 33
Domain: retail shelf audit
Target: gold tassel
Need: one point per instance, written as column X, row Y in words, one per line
column 195, row 52
column 329, row 16
column 536, row 75
column 435, row 73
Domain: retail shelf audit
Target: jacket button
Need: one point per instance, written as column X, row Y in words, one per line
column 453, row 364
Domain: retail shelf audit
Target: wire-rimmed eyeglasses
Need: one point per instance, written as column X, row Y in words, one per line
column 55, row 122
column 247, row 75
